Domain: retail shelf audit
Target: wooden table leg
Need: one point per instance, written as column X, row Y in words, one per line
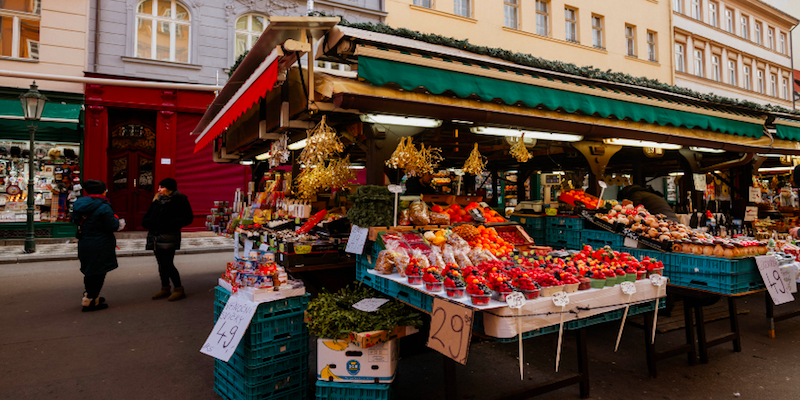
column 701, row 332
column 649, row 346
column 734, row 317
column 450, row 386
column 687, row 318
column 583, row 362
column 770, row 315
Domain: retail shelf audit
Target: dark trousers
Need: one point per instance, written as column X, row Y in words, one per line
column 93, row 284
column 166, row 267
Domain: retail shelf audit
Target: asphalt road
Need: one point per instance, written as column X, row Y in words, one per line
column 144, row 349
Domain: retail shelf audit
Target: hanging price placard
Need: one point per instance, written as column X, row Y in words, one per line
column 451, row 329
column 768, row 266
column 230, row 327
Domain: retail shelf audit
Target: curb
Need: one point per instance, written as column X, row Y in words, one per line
column 74, row 256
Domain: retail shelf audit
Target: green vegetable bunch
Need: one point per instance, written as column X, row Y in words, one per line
column 372, row 206
column 331, row 315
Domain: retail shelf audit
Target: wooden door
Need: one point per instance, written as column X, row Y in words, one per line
column 131, row 185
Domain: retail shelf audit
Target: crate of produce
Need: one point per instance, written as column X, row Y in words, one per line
column 514, row 234
column 563, row 238
column 353, row 391
column 725, row 284
column 609, row 238
column 691, row 264
column 235, row 386
column 565, row 222
column 265, row 372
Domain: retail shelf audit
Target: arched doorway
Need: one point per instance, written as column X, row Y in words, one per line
column 131, row 158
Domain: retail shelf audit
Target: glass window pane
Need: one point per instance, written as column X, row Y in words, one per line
column 241, row 23
column 164, row 8
column 29, row 39
column 120, row 174
column 181, row 13
column 145, row 7
column 162, row 41
column 241, row 44
column 182, row 43
column 258, row 23
column 144, row 37
column 29, row 6
column 6, row 35
column 146, row 175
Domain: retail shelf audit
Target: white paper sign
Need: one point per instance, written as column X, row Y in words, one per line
column 358, row 237
column 515, row 300
column 370, row 305
column 628, row 287
column 248, row 245
column 751, row 213
column 630, row 242
column 166, row 161
column 755, row 195
column 230, row 327
column 768, row 266
column 263, row 247
column 700, row 182
column 789, row 276
column 656, row 280
column 236, row 244
column 560, row 299
column 395, row 189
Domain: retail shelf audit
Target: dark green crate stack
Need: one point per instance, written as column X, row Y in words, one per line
column 563, row 232
column 533, row 225
column 271, row 361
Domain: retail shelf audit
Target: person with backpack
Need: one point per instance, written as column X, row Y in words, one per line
column 96, row 241
column 168, row 213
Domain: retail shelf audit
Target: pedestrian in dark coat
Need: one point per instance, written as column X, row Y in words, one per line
column 168, row 213
column 96, row 242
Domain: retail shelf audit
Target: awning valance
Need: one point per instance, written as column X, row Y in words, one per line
column 60, row 122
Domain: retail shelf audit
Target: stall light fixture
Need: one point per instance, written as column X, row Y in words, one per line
column 246, row 162
column 769, row 155
column 676, row 174
column 706, row 149
column 458, row 121
column 357, row 167
column 401, row 120
column 263, row 156
column 298, row 145
column 642, row 143
column 776, row 169
column 490, row 130
column 559, row 173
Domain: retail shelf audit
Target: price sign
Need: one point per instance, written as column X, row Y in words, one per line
column 248, row 245
column 628, row 288
column 656, row 280
column 230, row 327
column 630, row 242
column 395, row 189
column 358, row 237
column 515, row 300
column 789, row 275
column 370, row 305
column 263, row 247
column 451, row 329
column 236, row 244
column 768, row 266
column 560, row 299
column 755, row 195
column 700, row 182
column 750, row 213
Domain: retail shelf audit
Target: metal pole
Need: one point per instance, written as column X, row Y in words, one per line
column 30, row 238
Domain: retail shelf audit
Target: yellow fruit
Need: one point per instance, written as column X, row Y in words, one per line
column 335, row 345
column 326, row 374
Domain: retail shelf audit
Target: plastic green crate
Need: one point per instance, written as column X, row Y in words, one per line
column 275, row 328
column 270, row 309
column 263, row 373
column 353, row 391
column 724, row 284
column 231, row 385
column 255, row 356
column 689, row 264
column 565, row 222
column 563, row 238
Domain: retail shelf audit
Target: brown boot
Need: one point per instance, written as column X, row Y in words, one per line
column 178, row 294
column 163, row 294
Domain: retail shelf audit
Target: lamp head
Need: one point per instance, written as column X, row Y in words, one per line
column 33, row 103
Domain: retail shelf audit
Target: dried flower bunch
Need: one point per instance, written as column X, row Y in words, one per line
column 476, row 163
column 519, row 151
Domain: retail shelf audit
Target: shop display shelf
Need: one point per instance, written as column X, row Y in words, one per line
column 353, row 391
column 231, row 385
column 691, row 264
column 255, row 356
column 725, row 284
column 266, row 310
column 564, row 222
column 256, row 375
column 376, row 282
column 275, row 328
column 599, row 239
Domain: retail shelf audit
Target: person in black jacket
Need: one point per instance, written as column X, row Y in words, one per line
column 96, row 242
column 169, row 212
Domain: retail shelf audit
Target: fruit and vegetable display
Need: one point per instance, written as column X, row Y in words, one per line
column 575, row 196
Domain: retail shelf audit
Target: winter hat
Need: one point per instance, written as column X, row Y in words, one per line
column 93, row 186
column 169, row 183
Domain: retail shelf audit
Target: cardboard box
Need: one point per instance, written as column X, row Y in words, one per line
column 368, row 339
column 341, row 361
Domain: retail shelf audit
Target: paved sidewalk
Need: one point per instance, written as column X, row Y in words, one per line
column 68, row 250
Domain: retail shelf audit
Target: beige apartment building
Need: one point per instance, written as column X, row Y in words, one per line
column 734, row 48
column 631, row 36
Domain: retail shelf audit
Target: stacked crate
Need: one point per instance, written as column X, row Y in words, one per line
column 599, row 239
column 564, row 232
column 353, row 391
column 534, row 225
column 272, row 358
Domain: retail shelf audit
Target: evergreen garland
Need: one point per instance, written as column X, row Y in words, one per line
column 236, row 64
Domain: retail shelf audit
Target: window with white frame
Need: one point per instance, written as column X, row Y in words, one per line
column 713, row 17
column 424, row 3
column 760, row 79
column 248, row 29
column 542, row 18
column 630, row 40
column 652, row 46
column 597, row 31
column 698, row 62
column 696, row 9
column 773, row 85
column 745, row 27
column 729, row 20
column 785, row 89
column 746, row 77
column 677, row 6
column 571, row 24
column 19, row 29
column 771, row 38
column 759, row 35
column 715, row 72
column 782, row 43
column 162, row 30
column 680, row 58
column 732, row 72
column 511, row 14
column 463, row 8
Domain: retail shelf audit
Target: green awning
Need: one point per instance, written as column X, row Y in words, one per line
column 788, row 132
column 380, row 72
column 60, row 122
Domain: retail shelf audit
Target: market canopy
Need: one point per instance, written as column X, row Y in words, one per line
column 60, row 122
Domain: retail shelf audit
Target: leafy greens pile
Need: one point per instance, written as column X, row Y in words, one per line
column 331, row 315
column 372, row 206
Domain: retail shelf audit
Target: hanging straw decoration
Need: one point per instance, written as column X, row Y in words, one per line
column 428, row 159
column 279, row 152
column 404, row 156
column 323, row 143
column 519, row 151
column 475, row 163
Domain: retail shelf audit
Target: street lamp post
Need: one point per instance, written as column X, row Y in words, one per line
column 32, row 104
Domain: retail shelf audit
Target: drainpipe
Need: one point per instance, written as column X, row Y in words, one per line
column 96, row 34
column 791, row 54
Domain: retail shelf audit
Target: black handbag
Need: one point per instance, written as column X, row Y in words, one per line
column 163, row 241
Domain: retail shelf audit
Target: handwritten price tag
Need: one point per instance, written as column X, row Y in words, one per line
column 370, row 305
column 451, row 329
column 230, row 328
column 515, row 300
column 628, row 287
column 656, row 280
column 395, row 189
column 358, row 237
column 560, row 299
column 768, row 266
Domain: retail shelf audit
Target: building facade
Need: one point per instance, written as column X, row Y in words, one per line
column 734, row 48
column 139, row 136
column 631, row 36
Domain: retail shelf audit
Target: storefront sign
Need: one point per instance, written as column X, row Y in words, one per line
column 230, row 327
column 357, row 240
column 768, row 266
column 451, row 329
column 755, row 195
column 750, row 213
column 699, row 182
